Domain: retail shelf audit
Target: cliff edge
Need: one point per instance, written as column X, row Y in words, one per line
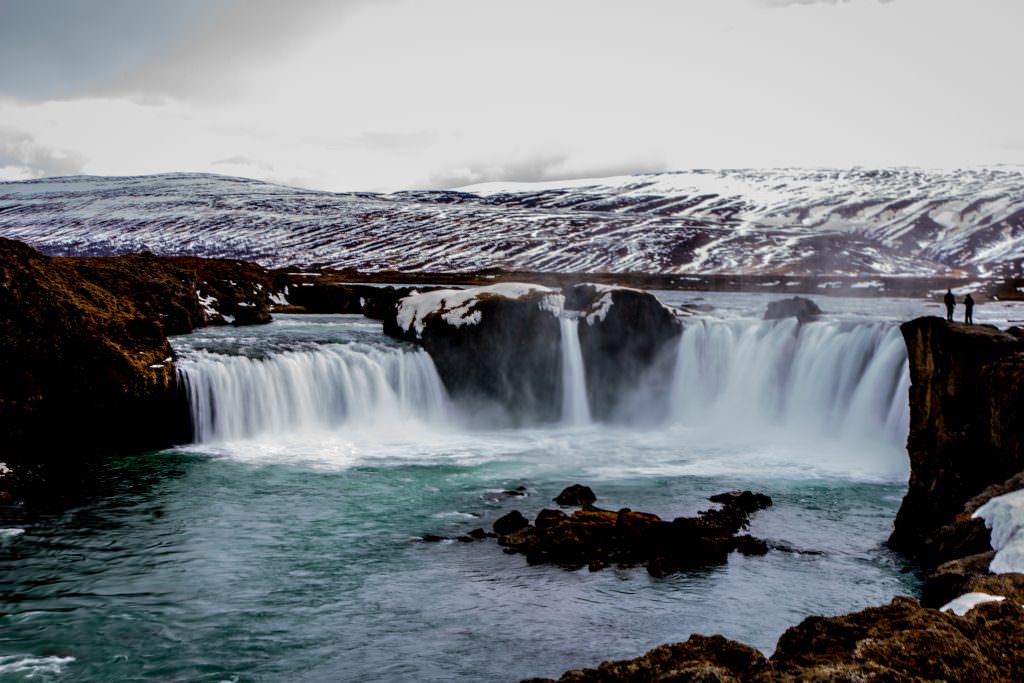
column 967, row 386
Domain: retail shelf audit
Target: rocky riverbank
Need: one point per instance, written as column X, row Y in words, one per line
column 85, row 365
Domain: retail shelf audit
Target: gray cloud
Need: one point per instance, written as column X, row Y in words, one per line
column 236, row 34
column 20, row 153
column 239, row 160
column 787, row 3
column 55, row 48
column 541, row 168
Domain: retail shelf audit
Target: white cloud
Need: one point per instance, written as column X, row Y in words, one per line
column 412, row 94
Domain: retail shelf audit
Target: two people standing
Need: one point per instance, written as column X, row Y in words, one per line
column 968, row 307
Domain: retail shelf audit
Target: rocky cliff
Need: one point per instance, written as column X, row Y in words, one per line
column 967, row 388
column 85, row 365
column 500, row 347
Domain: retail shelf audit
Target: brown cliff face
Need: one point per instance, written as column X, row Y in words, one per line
column 85, row 365
column 966, row 394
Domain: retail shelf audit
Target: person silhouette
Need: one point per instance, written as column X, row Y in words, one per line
column 950, row 303
column 969, row 310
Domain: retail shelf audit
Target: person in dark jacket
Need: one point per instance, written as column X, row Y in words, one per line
column 950, row 303
column 969, row 309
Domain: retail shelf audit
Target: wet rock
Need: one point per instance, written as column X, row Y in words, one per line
column 624, row 334
column 499, row 347
column 576, row 495
column 746, row 501
column 496, row 348
column 510, row 523
column 548, row 518
column 598, row 538
column 798, row 307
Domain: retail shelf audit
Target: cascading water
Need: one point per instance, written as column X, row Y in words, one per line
column 575, row 409
column 847, row 381
column 317, row 389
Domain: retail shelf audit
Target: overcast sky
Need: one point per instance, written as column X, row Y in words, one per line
column 393, row 94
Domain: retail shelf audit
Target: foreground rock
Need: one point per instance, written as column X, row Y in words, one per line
column 598, row 538
column 500, row 347
column 967, row 386
column 901, row 641
column 85, row 365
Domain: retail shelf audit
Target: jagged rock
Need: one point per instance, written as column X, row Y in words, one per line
column 904, row 641
column 798, row 307
column 901, row 641
column 599, row 538
column 575, row 496
column 708, row 659
column 967, row 383
column 623, row 333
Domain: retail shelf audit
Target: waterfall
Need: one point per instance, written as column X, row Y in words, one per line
column 322, row 388
column 842, row 380
column 575, row 409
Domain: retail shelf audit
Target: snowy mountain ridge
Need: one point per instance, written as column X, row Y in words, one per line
column 781, row 221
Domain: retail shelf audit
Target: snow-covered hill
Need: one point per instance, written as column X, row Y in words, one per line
column 859, row 222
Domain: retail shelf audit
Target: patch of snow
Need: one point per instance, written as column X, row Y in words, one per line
column 208, row 303
column 7, row 534
column 455, row 305
column 600, row 309
column 156, row 366
column 968, row 601
column 4, row 469
column 865, row 285
column 1004, row 515
column 281, row 299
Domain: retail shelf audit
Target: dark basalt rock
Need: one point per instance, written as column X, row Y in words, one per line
column 504, row 350
column 506, row 364
column 967, row 385
column 510, row 523
column 599, row 538
column 623, row 333
column 798, row 307
column 575, row 496
column 901, row 641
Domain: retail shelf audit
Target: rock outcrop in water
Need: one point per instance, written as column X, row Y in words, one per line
column 622, row 333
column 85, row 364
column 599, row 538
column 901, row 641
column 967, row 386
column 801, row 308
column 500, row 346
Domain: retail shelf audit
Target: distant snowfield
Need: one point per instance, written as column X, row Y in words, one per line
column 782, row 221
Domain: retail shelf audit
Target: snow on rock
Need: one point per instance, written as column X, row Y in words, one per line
column 208, row 304
column 1004, row 515
column 457, row 306
column 968, row 601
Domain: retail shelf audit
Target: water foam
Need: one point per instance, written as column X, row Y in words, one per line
column 30, row 666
